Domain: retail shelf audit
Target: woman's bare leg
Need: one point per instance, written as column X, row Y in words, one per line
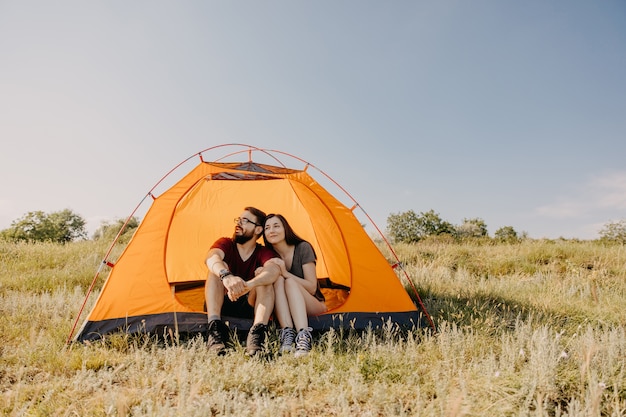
column 281, row 304
column 302, row 304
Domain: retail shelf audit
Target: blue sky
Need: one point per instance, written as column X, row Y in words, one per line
column 513, row 112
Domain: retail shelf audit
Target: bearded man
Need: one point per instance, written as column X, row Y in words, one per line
column 240, row 283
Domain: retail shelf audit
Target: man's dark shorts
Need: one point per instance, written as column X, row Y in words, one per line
column 239, row 308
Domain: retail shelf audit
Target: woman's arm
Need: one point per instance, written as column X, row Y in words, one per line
column 310, row 277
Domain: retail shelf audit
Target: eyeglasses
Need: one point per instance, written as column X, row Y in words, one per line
column 244, row 222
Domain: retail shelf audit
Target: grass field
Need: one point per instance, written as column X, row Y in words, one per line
column 536, row 328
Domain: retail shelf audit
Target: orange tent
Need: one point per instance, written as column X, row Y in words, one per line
column 157, row 284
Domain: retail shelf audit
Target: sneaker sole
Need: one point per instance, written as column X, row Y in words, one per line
column 301, row 353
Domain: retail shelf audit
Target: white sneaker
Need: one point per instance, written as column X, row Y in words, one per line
column 287, row 338
column 304, row 342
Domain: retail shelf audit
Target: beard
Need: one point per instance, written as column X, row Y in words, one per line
column 241, row 239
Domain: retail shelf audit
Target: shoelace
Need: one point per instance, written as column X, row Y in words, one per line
column 216, row 334
column 304, row 340
column 287, row 336
column 256, row 336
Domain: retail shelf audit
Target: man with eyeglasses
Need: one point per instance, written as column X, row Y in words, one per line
column 233, row 289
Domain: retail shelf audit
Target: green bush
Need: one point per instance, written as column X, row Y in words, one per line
column 614, row 232
column 36, row 226
column 409, row 227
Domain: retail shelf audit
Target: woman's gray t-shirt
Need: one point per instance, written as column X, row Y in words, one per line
column 303, row 253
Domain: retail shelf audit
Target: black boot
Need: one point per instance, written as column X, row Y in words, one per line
column 256, row 339
column 218, row 336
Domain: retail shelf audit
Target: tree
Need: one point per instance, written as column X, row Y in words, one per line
column 36, row 226
column 506, row 234
column 409, row 227
column 475, row 227
column 109, row 231
column 430, row 224
column 403, row 227
column 614, row 232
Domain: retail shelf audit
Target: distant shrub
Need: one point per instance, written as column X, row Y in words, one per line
column 409, row 227
column 472, row 228
column 506, row 234
column 108, row 231
column 36, row 226
column 614, row 232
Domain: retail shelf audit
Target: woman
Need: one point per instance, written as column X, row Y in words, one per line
column 297, row 294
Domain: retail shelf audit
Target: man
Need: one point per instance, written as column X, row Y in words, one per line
column 233, row 289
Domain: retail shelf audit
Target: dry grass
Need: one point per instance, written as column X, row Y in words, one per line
column 535, row 329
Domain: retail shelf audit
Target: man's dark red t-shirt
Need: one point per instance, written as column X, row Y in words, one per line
column 244, row 269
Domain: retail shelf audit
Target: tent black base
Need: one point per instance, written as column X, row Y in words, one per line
column 168, row 324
